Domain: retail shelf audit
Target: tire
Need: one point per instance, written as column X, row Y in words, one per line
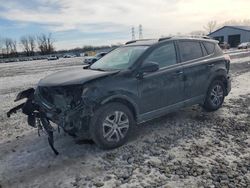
column 215, row 96
column 105, row 129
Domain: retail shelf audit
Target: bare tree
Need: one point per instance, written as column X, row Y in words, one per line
column 25, row 44
column 45, row 43
column 13, row 47
column 7, row 44
column 32, row 44
column 198, row 33
column 211, row 26
column 245, row 22
column 28, row 44
column 1, row 47
column 10, row 47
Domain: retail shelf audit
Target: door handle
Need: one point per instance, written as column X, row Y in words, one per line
column 211, row 65
column 179, row 73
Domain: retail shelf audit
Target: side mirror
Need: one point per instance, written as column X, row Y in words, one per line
column 86, row 66
column 149, row 66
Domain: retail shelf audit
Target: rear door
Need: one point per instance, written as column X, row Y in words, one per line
column 162, row 88
column 196, row 66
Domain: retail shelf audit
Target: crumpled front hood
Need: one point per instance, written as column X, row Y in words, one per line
column 73, row 77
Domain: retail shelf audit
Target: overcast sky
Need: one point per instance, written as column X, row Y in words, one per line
column 96, row 22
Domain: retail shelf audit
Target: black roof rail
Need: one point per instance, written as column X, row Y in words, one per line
column 164, row 38
column 185, row 36
column 167, row 38
column 206, row 37
column 133, row 41
column 130, row 42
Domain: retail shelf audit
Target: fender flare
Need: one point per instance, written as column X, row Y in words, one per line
column 123, row 98
column 221, row 73
column 218, row 73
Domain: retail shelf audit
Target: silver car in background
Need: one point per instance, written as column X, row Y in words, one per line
column 244, row 45
column 92, row 59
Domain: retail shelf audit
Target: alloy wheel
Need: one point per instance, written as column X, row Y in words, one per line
column 115, row 126
column 216, row 95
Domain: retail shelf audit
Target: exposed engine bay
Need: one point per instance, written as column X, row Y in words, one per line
column 63, row 106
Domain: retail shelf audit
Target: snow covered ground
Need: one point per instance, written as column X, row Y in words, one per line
column 188, row 148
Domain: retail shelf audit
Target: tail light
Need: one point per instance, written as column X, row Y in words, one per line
column 227, row 61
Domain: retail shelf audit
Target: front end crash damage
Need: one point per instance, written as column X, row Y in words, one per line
column 68, row 107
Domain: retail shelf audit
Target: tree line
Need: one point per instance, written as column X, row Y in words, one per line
column 43, row 44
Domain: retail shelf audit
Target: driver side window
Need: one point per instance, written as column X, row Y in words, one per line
column 164, row 55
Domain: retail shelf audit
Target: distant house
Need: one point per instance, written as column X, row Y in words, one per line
column 234, row 35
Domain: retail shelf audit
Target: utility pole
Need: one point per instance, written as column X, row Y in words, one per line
column 133, row 33
column 140, row 32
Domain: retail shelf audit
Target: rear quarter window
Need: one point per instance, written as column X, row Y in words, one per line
column 210, row 47
column 218, row 50
column 190, row 50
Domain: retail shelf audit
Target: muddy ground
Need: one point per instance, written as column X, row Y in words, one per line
column 188, row 148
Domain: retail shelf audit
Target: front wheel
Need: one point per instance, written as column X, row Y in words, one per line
column 111, row 125
column 215, row 96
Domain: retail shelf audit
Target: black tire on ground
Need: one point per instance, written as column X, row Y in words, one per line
column 111, row 125
column 215, row 96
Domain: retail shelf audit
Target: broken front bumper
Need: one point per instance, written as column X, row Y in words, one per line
column 37, row 116
column 72, row 119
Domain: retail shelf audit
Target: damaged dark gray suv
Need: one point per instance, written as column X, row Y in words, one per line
column 135, row 83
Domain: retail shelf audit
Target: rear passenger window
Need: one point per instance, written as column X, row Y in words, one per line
column 209, row 47
column 190, row 50
column 164, row 55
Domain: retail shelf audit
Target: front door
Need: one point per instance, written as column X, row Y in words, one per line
column 163, row 88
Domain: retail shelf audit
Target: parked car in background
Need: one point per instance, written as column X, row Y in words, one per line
column 138, row 82
column 92, row 59
column 68, row 56
column 52, row 57
column 224, row 45
column 244, row 45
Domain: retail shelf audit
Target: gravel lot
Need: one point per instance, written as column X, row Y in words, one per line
column 188, row 148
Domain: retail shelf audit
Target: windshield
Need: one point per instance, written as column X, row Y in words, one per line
column 119, row 59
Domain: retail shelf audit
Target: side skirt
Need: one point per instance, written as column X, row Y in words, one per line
column 165, row 110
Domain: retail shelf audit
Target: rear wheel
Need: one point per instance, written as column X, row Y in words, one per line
column 215, row 96
column 111, row 125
